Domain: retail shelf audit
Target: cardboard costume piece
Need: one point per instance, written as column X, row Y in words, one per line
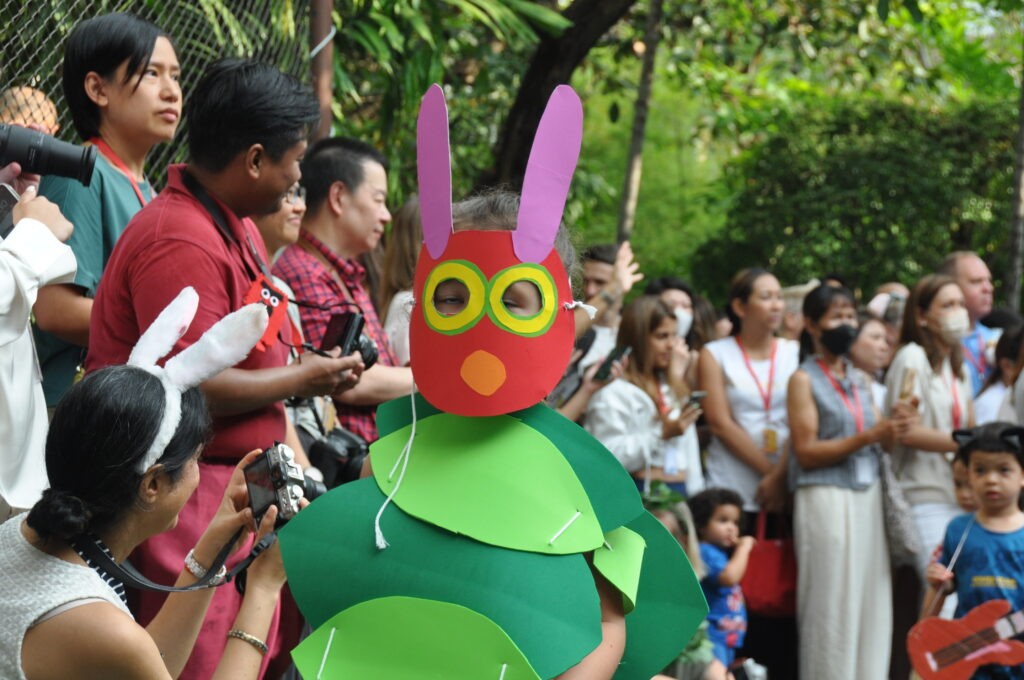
column 494, row 507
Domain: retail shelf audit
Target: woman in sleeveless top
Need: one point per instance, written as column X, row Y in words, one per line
column 100, row 436
column 844, row 581
column 745, row 376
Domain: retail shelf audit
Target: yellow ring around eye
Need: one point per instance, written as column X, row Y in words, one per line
column 536, row 324
column 468, row 274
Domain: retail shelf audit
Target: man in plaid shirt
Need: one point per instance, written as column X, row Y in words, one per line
column 346, row 191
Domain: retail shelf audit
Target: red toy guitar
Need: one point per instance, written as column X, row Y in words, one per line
column 953, row 650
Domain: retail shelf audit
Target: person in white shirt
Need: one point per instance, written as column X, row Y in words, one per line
column 32, row 255
column 644, row 418
column 996, row 390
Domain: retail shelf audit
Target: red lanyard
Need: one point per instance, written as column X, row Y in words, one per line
column 766, row 394
column 858, row 414
column 956, row 400
column 978, row 360
column 116, row 161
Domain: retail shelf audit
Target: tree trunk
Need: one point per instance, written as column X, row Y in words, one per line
column 553, row 64
column 634, row 162
column 1013, row 279
column 322, row 66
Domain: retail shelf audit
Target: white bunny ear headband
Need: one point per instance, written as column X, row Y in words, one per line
column 222, row 346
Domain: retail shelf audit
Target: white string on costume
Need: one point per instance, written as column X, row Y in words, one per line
column 563, row 529
column 504, row 667
column 327, row 650
column 591, row 310
column 403, row 458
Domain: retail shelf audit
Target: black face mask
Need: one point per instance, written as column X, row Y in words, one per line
column 838, row 340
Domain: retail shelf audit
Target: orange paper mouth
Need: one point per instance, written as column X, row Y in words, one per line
column 483, row 372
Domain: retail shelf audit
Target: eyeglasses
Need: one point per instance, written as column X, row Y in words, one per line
column 295, row 194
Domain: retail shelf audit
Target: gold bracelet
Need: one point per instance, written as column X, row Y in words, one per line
column 251, row 639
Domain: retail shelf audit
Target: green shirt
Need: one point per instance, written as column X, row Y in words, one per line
column 99, row 212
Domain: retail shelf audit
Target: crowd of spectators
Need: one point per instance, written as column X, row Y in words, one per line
column 782, row 408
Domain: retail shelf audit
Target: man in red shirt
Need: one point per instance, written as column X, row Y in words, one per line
column 346, row 196
column 248, row 124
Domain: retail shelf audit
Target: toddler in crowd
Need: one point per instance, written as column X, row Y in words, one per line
column 990, row 541
column 716, row 514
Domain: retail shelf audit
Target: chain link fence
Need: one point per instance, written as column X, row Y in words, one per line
column 32, row 39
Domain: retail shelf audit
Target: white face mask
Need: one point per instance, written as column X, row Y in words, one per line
column 685, row 322
column 955, row 325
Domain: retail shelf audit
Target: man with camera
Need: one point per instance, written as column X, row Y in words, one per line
column 346, row 194
column 32, row 254
column 248, row 124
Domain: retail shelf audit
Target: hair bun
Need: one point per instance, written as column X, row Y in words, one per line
column 59, row 514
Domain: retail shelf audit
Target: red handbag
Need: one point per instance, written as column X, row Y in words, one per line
column 769, row 584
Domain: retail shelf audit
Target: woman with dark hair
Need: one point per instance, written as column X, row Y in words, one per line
column 120, row 79
column 643, row 418
column 105, row 490
column 927, row 375
column 400, row 255
column 844, row 581
column 871, row 353
column 745, row 376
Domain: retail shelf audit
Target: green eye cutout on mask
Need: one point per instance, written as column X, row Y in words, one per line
column 457, row 295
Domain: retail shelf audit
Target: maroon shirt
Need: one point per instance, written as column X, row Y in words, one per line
column 170, row 244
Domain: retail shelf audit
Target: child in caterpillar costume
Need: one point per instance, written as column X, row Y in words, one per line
column 495, row 539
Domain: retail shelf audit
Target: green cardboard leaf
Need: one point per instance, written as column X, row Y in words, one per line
column 612, row 492
column 610, row 489
column 495, row 479
column 669, row 605
column 333, row 563
column 385, row 638
column 619, row 560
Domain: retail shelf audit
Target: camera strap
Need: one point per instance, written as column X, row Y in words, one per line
column 96, row 553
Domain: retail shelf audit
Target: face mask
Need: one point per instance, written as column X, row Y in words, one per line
column 685, row 322
column 839, row 339
column 955, row 325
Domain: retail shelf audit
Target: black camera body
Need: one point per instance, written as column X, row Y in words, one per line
column 339, row 455
column 39, row 153
column 274, row 478
column 345, row 330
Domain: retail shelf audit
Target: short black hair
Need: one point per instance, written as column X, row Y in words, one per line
column 102, row 44
column 661, row 284
column 704, row 504
column 102, row 427
column 241, row 102
column 601, row 252
column 336, row 159
column 998, row 437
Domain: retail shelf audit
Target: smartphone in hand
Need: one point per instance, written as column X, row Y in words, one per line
column 605, row 369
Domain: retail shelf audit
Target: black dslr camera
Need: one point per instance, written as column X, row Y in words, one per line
column 42, row 154
column 274, row 478
column 345, row 330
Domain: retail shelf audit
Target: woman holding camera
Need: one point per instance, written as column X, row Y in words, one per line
column 120, row 79
column 102, row 433
column 642, row 418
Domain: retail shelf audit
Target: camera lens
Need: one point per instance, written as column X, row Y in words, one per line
column 368, row 350
column 40, row 153
column 313, row 489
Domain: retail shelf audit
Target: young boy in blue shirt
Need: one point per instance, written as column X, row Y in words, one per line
column 990, row 564
column 716, row 514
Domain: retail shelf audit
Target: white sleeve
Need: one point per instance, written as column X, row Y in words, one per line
column 30, row 257
column 614, row 419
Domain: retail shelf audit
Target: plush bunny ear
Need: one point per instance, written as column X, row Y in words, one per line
column 165, row 330
column 553, row 157
column 222, row 346
column 434, row 170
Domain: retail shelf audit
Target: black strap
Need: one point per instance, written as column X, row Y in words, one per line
column 94, row 549
column 217, row 215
